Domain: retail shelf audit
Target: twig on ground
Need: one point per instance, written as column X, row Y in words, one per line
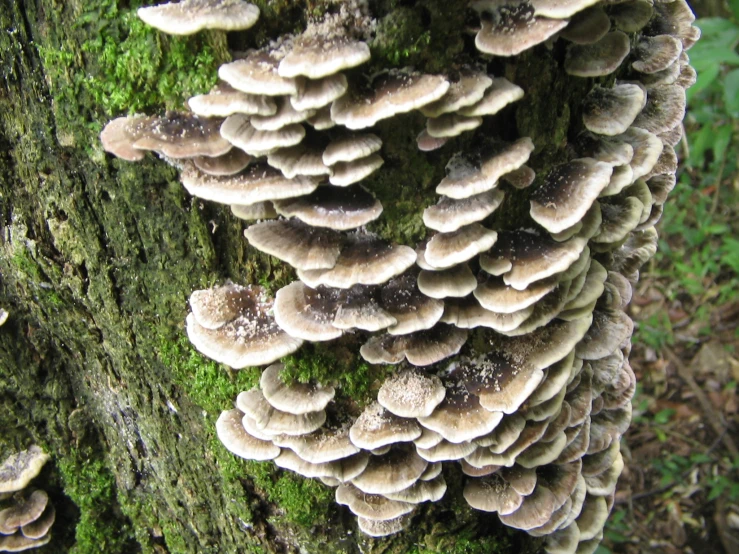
column 713, row 418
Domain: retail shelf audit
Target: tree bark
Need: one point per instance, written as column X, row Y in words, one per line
column 98, row 257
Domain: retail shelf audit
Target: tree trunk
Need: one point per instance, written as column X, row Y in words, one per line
column 99, row 257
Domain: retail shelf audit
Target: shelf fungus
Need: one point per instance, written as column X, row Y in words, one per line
column 26, row 513
column 505, row 327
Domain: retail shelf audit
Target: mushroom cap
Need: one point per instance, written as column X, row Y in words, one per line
column 18, row 542
column 297, row 243
column 190, row 16
column 321, row 446
column 232, row 162
column 298, row 160
column 532, row 256
column 494, row 295
column 610, row 111
column 351, row 147
column 251, row 339
column 180, row 135
column 632, row 16
column 371, row 506
column 39, row 528
column 428, row 439
column 343, row 470
column 411, row 393
column 513, row 29
column 647, row 149
column 451, row 125
column 620, row 216
column 340, row 209
column 592, row 518
column 412, row 310
column 544, row 346
column 556, row 377
column 238, row 130
column 468, row 314
column 502, row 384
column 118, row 136
column 377, row 427
column 18, row 469
column 501, row 93
column 376, row 528
column 392, row 472
column 257, row 74
column 216, row 306
column 420, row 349
column 313, row 95
column 588, row 26
column 360, row 309
column 563, row 541
column 613, row 151
column 423, row 490
column 466, row 89
column 285, row 115
column 449, row 215
column 25, row 509
column 655, row 54
column 568, row 192
column 560, row 9
column 234, row 437
column 599, row 58
column 446, row 451
column 448, row 249
column 322, row 119
column 469, row 175
column 367, row 260
column 319, row 56
column 664, row 110
column 427, row 143
column 224, row 100
column 456, row 281
column 460, row 417
column 256, row 184
column 271, row 421
column 392, row 93
column 348, row 173
column 504, row 435
column 295, row 398
column 492, row 493
column 610, row 328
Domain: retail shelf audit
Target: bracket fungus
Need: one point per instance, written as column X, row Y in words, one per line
column 532, row 250
column 26, row 516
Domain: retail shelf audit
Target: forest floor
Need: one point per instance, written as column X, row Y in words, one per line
column 679, row 492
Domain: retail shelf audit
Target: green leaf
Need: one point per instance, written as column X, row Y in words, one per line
column 721, row 141
column 731, row 91
column 705, row 78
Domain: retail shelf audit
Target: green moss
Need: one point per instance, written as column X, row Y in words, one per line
column 90, row 484
column 303, row 502
column 122, row 65
column 400, row 36
column 26, row 265
column 208, row 384
column 355, row 379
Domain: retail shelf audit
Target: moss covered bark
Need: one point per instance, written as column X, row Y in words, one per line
column 98, row 257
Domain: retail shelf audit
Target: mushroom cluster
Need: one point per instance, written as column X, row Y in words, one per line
column 531, row 411
column 26, row 515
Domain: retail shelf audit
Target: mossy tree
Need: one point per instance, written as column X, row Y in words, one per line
column 98, row 257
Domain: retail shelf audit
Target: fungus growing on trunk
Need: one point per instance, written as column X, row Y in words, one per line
column 531, row 249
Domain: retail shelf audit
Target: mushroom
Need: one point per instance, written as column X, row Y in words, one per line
column 190, row 16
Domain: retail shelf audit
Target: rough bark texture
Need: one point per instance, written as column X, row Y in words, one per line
column 98, row 257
